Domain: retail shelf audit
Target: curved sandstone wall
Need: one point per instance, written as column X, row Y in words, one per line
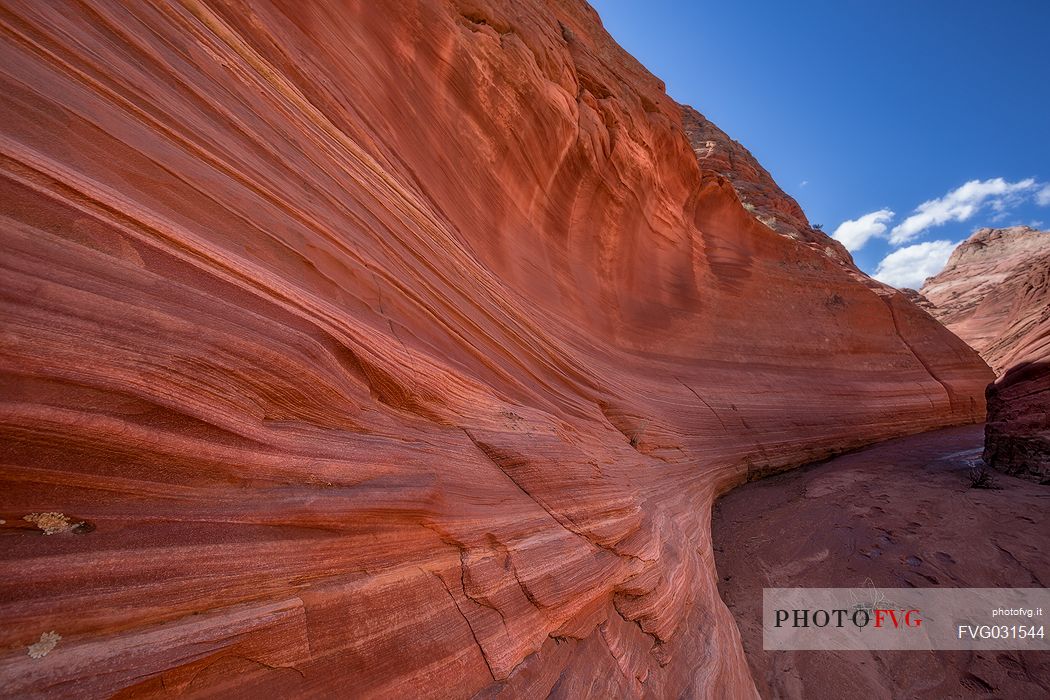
column 396, row 348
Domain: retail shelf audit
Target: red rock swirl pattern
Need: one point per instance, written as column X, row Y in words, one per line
column 395, row 349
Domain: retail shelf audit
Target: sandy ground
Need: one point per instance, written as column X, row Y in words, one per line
column 899, row 514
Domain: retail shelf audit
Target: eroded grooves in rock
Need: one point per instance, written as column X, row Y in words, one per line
column 396, row 347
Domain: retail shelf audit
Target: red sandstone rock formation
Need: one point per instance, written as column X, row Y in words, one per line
column 395, row 349
column 754, row 186
column 984, row 295
column 994, row 293
column 918, row 299
column 1017, row 435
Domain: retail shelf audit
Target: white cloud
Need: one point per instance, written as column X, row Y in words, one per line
column 806, row 182
column 855, row 233
column 910, row 266
column 962, row 203
column 1042, row 197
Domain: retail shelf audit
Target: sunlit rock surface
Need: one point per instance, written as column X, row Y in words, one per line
column 385, row 348
column 993, row 291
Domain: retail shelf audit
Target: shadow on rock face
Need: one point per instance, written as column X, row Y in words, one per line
column 1017, row 434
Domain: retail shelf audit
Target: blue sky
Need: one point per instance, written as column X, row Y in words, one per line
column 861, row 109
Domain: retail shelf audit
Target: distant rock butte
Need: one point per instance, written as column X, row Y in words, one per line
column 399, row 349
column 983, row 294
column 994, row 293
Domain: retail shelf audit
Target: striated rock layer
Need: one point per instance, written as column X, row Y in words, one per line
column 753, row 184
column 395, row 347
column 994, row 293
column 1017, row 434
